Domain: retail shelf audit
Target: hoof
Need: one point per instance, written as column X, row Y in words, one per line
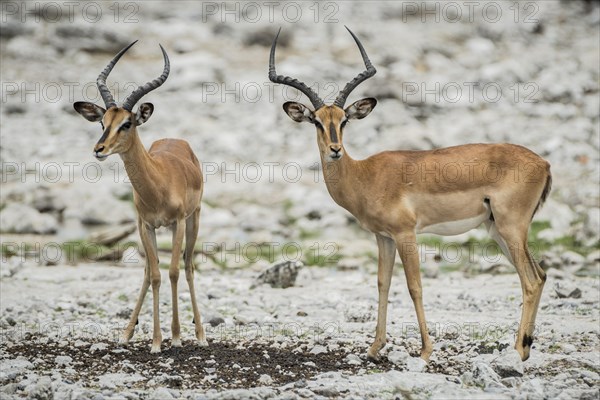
column 155, row 348
column 176, row 342
column 124, row 338
column 202, row 343
column 373, row 357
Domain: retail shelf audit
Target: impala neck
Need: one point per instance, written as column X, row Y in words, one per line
column 141, row 170
column 342, row 178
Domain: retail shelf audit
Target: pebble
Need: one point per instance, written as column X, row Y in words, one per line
column 565, row 289
column 508, row 364
column 161, row 394
column 41, row 390
column 398, row 357
column 353, row 359
column 265, row 379
column 98, row 347
column 416, row 364
column 318, row 349
column 63, row 361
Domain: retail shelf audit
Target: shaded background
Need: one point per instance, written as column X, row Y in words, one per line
column 448, row 74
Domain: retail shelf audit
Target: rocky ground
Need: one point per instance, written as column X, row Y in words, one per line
column 60, row 327
column 71, row 263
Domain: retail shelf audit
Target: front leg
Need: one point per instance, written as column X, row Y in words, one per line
column 387, row 255
column 148, row 235
column 151, row 258
column 407, row 247
column 178, row 231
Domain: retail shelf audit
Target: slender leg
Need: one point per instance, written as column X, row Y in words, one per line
column 191, row 234
column 387, row 255
column 149, row 241
column 151, row 257
column 178, row 232
column 407, row 248
column 532, row 279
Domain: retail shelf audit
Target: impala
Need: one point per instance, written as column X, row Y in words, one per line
column 167, row 189
column 398, row 194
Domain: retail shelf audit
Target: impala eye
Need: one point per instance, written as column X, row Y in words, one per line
column 125, row 126
column 344, row 123
column 319, row 126
column 102, row 125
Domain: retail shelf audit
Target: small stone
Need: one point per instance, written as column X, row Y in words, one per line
column 265, row 379
column 572, row 258
column 567, row 289
column 398, row 357
column 216, row 321
column 416, row 364
column 280, row 275
column 41, row 390
column 568, row 348
column 484, row 376
column 318, row 349
column 508, row 364
column 63, row 361
column 98, row 347
column 353, row 359
column 161, row 394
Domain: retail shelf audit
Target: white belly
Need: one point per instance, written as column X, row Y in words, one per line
column 455, row 227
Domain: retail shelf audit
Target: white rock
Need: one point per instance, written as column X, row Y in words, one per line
column 572, row 258
column 19, row 218
column 98, row 347
column 568, row 348
column 63, row 361
column 565, row 289
column 560, row 215
column 353, row 359
column 93, row 210
column 483, row 375
column 265, row 379
column 318, row 349
column 508, row 364
column 161, row 394
column 415, row 364
column 398, row 356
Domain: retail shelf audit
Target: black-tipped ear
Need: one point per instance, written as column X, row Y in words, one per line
column 144, row 112
column 361, row 108
column 298, row 112
column 89, row 111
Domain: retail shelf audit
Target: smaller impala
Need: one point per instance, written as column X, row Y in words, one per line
column 397, row 194
column 167, row 189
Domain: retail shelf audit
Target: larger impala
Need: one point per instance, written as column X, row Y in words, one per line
column 167, row 189
column 397, row 194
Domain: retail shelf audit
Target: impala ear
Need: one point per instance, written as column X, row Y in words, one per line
column 89, row 111
column 361, row 108
column 144, row 112
column 298, row 112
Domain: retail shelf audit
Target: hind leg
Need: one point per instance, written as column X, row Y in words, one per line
column 511, row 236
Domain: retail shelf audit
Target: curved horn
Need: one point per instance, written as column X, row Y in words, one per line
column 141, row 91
column 295, row 83
column 109, row 101
column 350, row 86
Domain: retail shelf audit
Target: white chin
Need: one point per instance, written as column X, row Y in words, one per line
column 101, row 158
column 334, row 158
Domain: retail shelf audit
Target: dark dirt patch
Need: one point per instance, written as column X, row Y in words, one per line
column 221, row 365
